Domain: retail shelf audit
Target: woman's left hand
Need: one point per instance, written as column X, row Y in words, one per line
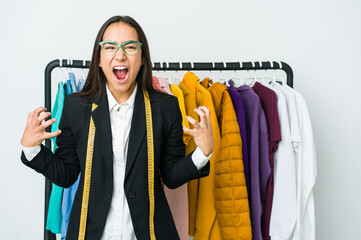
column 202, row 131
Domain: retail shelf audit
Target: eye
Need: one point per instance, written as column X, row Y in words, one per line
column 131, row 46
column 109, row 46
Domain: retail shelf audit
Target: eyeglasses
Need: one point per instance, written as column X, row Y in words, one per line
column 129, row 48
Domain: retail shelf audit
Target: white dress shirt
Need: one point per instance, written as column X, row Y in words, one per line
column 283, row 214
column 306, row 173
column 119, row 223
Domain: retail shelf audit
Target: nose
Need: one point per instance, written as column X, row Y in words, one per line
column 120, row 54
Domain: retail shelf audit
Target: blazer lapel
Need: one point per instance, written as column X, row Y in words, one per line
column 137, row 130
column 103, row 134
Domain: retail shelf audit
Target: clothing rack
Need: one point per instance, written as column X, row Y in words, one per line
column 157, row 66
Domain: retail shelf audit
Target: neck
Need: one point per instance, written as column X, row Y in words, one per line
column 122, row 97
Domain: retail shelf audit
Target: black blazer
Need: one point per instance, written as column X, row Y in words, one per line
column 63, row 167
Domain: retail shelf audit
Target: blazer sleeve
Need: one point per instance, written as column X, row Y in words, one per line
column 61, row 168
column 175, row 168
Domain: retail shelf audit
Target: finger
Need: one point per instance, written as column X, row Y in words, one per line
column 187, row 130
column 202, row 116
column 44, row 116
column 208, row 115
column 192, row 121
column 51, row 135
column 48, row 123
column 39, row 110
column 36, row 114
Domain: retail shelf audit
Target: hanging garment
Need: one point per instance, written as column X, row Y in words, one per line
column 156, row 84
column 68, row 88
column 268, row 100
column 164, row 85
column 283, row 214
column 206, row 225
column 306, row 173
column 190, row 104
column 258, row 152
column 67, row 203
column 243, row 126
column 178, row 198
column 72, row 82
column 68, row 193
column 54, row 219
column 231, row 203
column 80, row 85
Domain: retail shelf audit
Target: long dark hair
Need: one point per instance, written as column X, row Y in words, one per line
column 94, row 86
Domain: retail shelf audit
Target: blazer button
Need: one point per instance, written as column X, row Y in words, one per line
column 131, row 195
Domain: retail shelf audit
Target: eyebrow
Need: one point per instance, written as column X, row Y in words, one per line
column 119, row 43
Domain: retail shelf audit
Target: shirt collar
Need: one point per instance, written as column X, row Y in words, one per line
column 113, row 103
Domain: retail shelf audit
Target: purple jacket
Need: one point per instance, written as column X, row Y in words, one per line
column 258, row 145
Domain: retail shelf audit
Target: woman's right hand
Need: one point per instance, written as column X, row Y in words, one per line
column 35, row 132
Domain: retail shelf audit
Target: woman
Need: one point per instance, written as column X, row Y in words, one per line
column 111, row 110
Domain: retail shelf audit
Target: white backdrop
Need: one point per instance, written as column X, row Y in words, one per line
column 321, row 40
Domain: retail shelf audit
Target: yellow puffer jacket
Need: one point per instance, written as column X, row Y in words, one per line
column 203, row 222
column 231, row 199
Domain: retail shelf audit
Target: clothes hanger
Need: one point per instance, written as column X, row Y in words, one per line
column 156, row 72
column 280, row 81
column 82, row 70
column 221, row 78
column 250, row 80
column 235, row 78
column 165, row 74
column 261, row 78
column 272, row 79
column 178, row 79
column 211, row 74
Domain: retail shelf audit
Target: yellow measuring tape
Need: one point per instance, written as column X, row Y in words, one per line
column 148, row 116
column 88, row 167
column 87, row 177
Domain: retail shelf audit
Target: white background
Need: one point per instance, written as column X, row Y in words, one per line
column 320, row 40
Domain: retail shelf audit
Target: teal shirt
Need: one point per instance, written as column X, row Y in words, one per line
column 54, row 219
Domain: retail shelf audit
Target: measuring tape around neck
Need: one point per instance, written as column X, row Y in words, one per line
column 148, row 117
column 88, row 167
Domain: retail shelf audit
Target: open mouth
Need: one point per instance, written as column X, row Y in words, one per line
column 120, row 72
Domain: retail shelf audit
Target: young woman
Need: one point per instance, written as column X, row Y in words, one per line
column 122, row 202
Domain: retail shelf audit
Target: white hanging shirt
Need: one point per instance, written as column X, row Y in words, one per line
column 283, row 214
column 306, row 172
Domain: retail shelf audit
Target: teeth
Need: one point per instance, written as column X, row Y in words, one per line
column 120, row 68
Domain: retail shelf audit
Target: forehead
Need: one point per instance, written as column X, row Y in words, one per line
column 120, row 32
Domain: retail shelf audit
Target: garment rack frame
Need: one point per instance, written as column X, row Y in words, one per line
column 156, row 66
